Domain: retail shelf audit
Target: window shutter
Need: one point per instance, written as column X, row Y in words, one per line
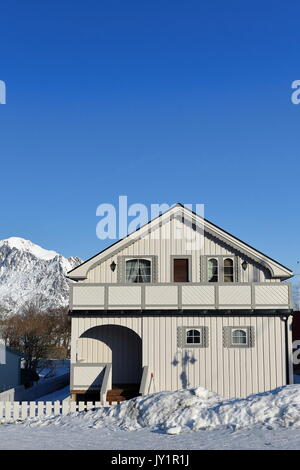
column 181, row 337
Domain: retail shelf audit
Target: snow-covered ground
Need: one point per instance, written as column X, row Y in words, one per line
column 18, row 437
column 185, row 419
column 53, row 368
column 60, row 395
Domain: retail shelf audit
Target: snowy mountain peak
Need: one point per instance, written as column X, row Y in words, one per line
column 26, row 245
column 32, row 274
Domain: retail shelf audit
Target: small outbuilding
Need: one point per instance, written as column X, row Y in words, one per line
column 10, row 368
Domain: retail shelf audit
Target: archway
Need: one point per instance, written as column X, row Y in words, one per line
column 114, row 344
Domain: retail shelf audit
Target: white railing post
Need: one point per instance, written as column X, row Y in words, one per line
column 144, row 380
column 105, row 383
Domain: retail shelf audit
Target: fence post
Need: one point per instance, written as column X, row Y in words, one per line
column 24, row 410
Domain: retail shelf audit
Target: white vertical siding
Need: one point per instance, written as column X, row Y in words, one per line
column 230, row 372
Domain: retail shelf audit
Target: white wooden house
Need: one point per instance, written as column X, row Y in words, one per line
column 156, row 312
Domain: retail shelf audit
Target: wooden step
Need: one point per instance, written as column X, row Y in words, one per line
column 115, row 399
column 122, row 392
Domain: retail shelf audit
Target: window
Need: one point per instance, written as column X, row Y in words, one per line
column 239, row 337
column 219, row 268
column 228, row 270
column 138, row 270
column 193, row 337
column 212, row 270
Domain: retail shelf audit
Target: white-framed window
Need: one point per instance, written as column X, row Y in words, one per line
column 212, row 270
column 228, row 270
column 138, row 270
column 219, row 268
column 239, row 337
column 193, row 336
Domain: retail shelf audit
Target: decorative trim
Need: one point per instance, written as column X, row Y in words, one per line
column 237, row 268
column 120, row 269
column 203, row 263
column 227, row 336
column 181, row 337
column 239, row 250
column 203, row 312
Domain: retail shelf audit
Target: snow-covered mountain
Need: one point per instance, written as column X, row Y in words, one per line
column 31, row 274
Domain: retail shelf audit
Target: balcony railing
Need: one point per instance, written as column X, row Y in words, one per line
column 181, row 296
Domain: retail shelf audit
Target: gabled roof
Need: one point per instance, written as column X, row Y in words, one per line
column 277, row 270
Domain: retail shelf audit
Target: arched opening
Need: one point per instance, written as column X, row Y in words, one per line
column 114, row 344
column 239, row 337
column 228, row 270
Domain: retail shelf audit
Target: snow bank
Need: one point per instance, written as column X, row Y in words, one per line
column 190, row 410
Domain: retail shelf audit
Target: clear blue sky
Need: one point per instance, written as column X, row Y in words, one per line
column 163, row 101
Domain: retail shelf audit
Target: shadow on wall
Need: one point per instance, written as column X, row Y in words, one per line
column 186, row 359
column 118, row 345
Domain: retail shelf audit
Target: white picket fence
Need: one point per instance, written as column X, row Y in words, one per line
column 19, row 411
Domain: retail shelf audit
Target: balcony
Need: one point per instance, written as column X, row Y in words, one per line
column 184, row 296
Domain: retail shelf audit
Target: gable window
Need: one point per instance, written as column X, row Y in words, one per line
column 193, row 337
column 239, row 337
column 212, row 270
column 228, row 270
column 219, row 268
column 138, row 270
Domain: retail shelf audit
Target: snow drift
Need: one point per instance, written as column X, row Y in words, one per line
column 190, row 410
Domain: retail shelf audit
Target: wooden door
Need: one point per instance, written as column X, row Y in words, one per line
column 181, row 270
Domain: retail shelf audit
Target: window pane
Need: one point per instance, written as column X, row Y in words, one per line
column 239, row 337
column 228, row 263
column 193, row 337
column 138, row 270
column 228, row 270
column 212, row 270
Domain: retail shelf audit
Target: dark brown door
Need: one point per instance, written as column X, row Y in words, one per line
column 181, row 270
